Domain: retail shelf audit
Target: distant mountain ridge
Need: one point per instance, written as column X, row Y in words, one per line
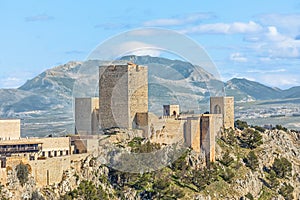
column 47, row 100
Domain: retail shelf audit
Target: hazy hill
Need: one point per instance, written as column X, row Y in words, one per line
column 46, row 101
column 252, row 89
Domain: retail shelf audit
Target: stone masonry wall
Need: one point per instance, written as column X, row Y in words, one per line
column 113, row 96
column 10, row 128
column 224, row 106
column 137, row 91
column 123, row 92
column 84, row 110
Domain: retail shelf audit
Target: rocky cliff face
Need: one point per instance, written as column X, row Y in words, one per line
column 235, row 175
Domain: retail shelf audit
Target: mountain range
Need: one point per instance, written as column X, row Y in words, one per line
column 45, row 103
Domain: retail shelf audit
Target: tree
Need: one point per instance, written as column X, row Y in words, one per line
column 22, row 173
column 286, row 191
column 229, row 137
column 282, row 167
column 251, row 161
column 227, row 160
column 37, row 196
column 240, row 124
column 272, row 180
column 280, row 127
column 86, row 190
column 249, row 196
column 227, row 175
column 259, row 128
column 250, row 139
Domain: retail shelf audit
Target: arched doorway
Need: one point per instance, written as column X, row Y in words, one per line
column 217, row 109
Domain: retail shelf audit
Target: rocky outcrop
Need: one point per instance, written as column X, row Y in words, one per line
column 276, row 144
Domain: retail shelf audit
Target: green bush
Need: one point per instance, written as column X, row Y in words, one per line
column 240, row 124
column 286, row 191
column 37, row 196
column 282, row 167
column 22, row 173
column 227, row 160
column 227, row 175
column 251, row 161
column 229, row 137
column 259, row 128
column 280, row 127
column 250, row 139
column 86, row 190
column 249, row 196
column 273, row 183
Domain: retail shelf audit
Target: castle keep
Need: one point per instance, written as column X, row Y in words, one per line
column 123, row 92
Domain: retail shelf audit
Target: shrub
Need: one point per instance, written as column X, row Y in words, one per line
column 22, row 173
column 251, row 161
column 286, row 191
column 240, row 124
column 229, row 137
column 282, row 167
column 250, row 139
column 272, row 180
column 227, row 175
column 249, row 196
column 36, row 196
column 227, row 160
column 280, row 127
column 259, row 128
column 86, row 190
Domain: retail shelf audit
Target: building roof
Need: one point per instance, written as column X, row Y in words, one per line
column 19, row 142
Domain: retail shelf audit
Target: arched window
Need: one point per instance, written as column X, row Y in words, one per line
column 174, row 113
column 217, row 109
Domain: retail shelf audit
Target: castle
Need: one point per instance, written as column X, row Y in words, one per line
column 122, row 102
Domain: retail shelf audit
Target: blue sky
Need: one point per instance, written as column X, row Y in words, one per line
column 258, row 40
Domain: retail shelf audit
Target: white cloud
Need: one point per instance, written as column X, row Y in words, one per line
column 273, row 44
column 288, row 23
column 11, row 82
column 179, row 20
column 280, row 80
column 223, row 28
column 238, row 57
column 41, row 17
column 266, row 71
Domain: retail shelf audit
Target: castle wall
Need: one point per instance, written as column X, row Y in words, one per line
column 10, row 128
column 224, row 106
column 141, row 122
column 86, row 122
column 200, row 133
column 165, row 130
column 210, row 126
column 170, row 110
column 50, row 170
column 3, row 176
column 192, row 133
column 138, row 91
column 229, row 112
column 45, row 171
column 123, row 92
column 113, row 96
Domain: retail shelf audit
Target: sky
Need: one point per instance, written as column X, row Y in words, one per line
column 258, row 39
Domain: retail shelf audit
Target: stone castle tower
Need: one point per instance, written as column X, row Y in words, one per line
column 123, row 92
column 86, row 116
column 225, row 107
